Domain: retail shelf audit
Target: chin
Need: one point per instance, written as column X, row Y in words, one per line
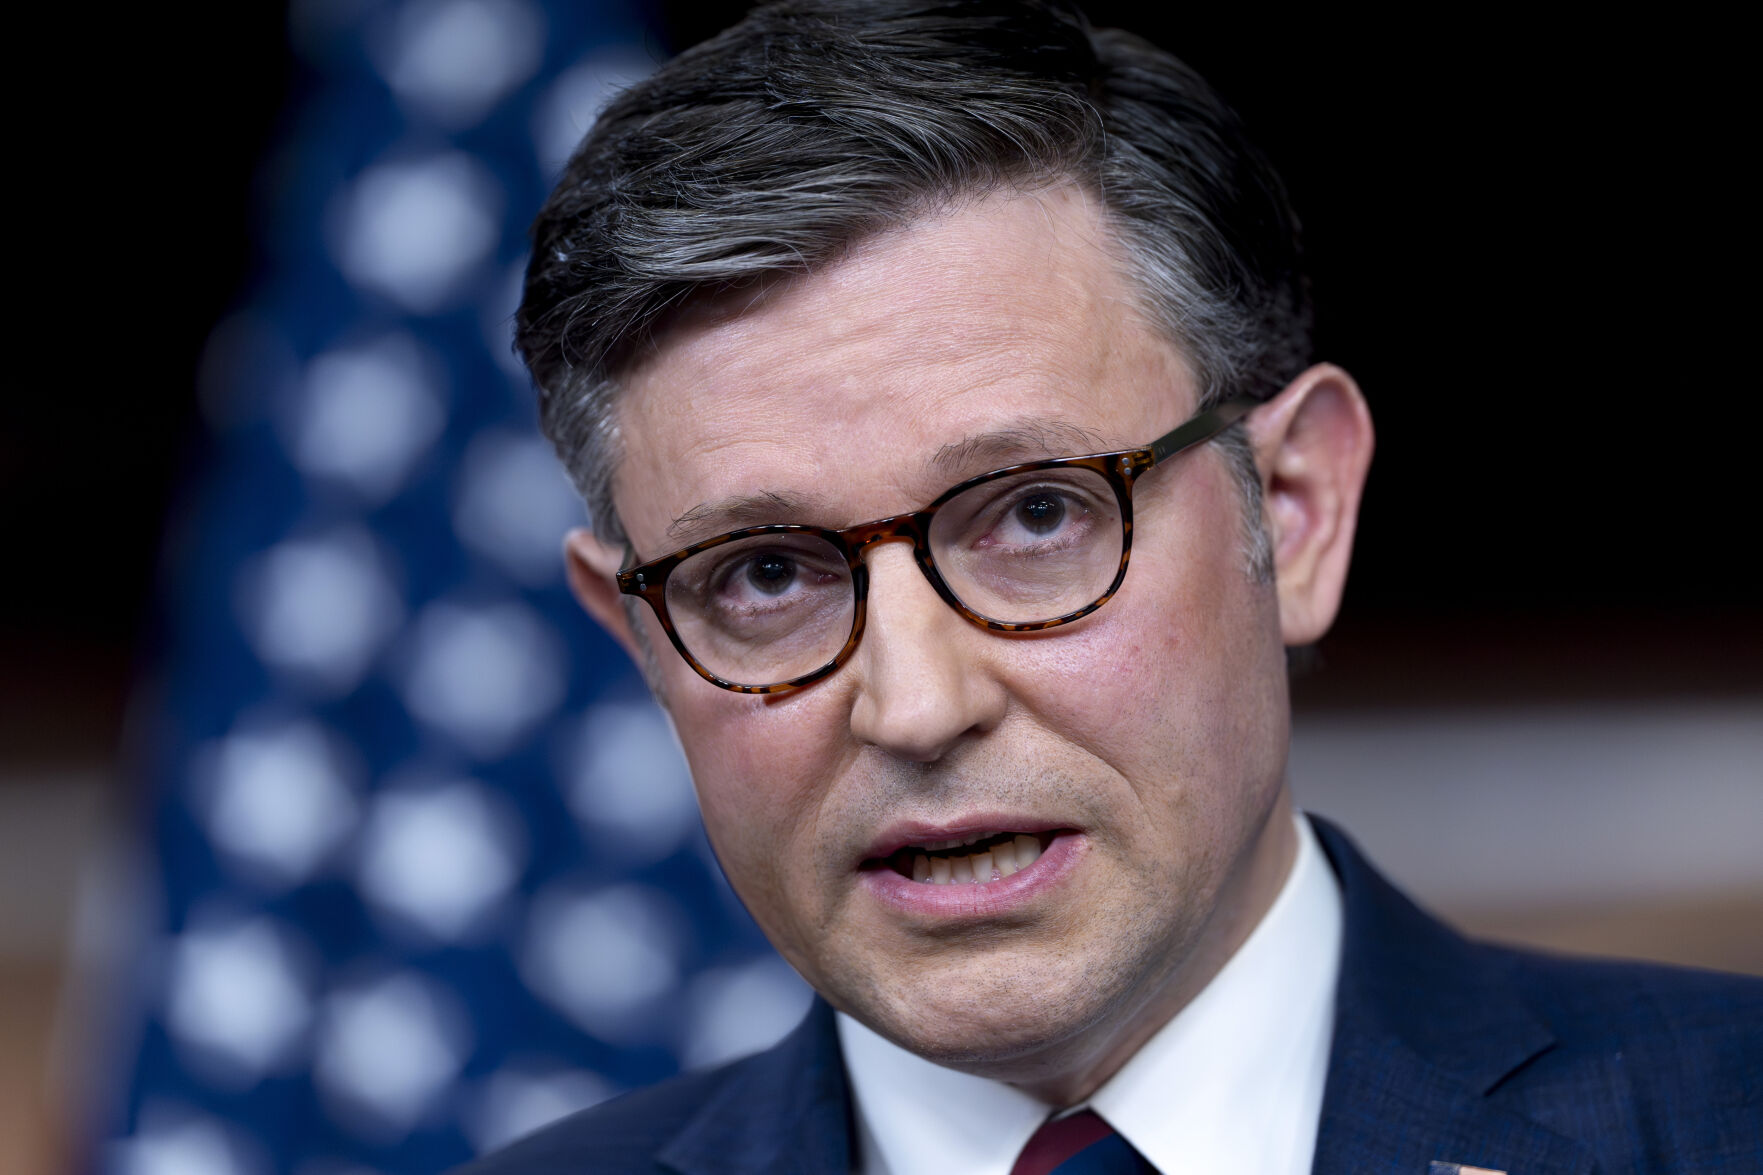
column 1005, row 1023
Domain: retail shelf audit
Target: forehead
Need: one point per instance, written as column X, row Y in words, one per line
column 972, row 337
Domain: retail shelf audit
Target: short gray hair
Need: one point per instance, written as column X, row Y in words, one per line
column 772, row 148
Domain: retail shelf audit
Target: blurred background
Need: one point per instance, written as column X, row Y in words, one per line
column 333, row 840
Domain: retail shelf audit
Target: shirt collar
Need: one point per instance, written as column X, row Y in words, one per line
column 1233, row 1082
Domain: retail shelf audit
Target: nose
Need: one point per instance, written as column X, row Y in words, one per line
column 923, row 677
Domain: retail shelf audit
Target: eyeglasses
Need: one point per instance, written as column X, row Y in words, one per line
column 1021, row 549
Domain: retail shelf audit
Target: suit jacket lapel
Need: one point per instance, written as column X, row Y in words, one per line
column 787, row 1114
column 1426, row 1027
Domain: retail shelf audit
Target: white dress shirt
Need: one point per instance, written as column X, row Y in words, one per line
column 1232, row 1083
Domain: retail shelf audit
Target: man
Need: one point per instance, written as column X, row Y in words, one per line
column 938, row 378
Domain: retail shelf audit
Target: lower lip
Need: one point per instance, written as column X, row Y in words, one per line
column 970, row 900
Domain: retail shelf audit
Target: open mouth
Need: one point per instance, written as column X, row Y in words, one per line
column 970, row 860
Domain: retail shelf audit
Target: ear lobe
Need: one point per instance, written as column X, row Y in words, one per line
column 1313, row 445
column 592, row 567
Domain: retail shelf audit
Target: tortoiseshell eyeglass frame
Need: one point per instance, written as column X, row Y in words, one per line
column 1120, row 468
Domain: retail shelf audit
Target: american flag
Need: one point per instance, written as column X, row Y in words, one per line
column 425, row 869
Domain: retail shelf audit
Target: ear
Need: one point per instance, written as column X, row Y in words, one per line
column 1312, row 446
column 593, row 577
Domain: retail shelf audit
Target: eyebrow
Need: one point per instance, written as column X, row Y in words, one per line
column 737, row 511
column 1021, row 440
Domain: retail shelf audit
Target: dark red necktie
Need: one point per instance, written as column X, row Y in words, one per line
column 1079, row 1144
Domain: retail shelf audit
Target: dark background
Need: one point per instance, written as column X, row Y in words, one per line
column 1526, row 243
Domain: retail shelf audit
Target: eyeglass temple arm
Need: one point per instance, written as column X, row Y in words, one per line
column 1202, row 427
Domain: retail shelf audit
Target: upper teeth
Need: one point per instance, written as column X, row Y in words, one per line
column 955, row 842
column 994, row 864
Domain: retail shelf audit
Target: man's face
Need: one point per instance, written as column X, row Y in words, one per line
column 1142, row 746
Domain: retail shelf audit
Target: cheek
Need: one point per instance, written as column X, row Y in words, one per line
column 1178, row 684
column 1138, row 675
column 1123, row 698
column 760, row 769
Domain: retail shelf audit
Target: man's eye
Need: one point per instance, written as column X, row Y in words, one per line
column 1036, row 517
column 1041, row 513
column 772, row 577
column 770, row 573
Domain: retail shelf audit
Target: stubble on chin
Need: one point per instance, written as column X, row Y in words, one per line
column 1041, row 1011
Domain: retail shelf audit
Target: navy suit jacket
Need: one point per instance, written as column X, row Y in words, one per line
column 1444, row 1051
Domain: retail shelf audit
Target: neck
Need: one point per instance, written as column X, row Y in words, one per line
column 1069, row 1075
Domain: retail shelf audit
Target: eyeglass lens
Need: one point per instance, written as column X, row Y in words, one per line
column 1018, row 549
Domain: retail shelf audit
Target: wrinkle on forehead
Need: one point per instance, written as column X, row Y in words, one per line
column 959, row 277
